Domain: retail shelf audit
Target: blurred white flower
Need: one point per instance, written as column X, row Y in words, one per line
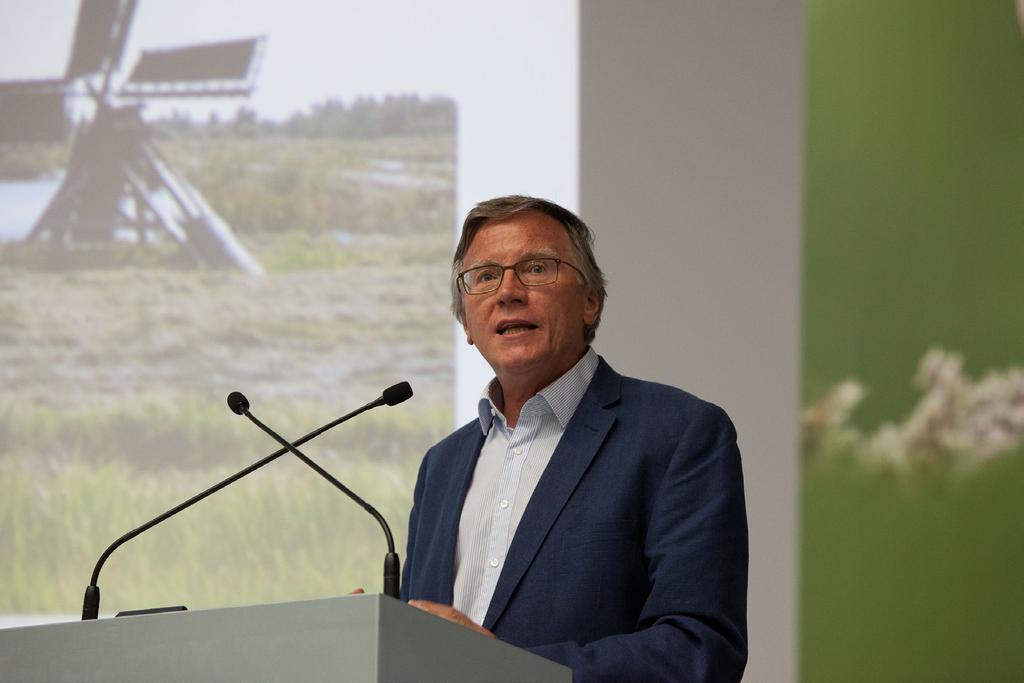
column 956, row 422
column 825, row 423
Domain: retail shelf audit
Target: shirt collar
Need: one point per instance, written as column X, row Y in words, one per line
column 562, row 396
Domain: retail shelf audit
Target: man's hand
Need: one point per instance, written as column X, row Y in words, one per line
column 451, row 614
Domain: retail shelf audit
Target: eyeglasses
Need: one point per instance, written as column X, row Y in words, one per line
column 534, row 272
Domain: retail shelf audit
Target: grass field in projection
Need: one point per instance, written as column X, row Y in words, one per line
column 281, row 534
column 116, row 361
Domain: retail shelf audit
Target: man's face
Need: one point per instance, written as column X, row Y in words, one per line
column 530, row 336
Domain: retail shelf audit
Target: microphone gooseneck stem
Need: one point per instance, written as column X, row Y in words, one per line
column 327, row 475
column 91, row 603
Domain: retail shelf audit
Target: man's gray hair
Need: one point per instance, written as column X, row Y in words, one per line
column 501, row 208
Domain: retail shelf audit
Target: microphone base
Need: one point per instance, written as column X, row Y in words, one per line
column 91, row 603
column 392, row 576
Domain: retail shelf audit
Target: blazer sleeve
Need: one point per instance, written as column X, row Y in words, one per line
column 414, row 518
column 692, row 627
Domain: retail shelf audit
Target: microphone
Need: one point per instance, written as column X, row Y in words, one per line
column 392, row 396
column 91, row 604
column 238, row 402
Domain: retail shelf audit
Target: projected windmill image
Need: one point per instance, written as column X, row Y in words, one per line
column 116, row 177
column 194, row 202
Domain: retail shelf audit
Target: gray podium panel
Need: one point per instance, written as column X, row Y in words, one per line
column 353, row 639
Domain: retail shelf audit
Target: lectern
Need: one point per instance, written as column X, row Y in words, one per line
column 357, row 639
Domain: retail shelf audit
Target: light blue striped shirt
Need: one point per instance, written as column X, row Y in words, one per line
column 510, row 465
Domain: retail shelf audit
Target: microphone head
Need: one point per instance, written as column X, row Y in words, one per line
column 396, row 394
column 238, row 402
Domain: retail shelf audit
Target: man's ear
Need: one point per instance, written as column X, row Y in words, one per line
column 591, row 308
column 469, row 337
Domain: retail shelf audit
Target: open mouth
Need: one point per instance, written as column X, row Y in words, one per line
column 515, row 328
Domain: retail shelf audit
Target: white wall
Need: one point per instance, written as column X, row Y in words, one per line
column 691, row 124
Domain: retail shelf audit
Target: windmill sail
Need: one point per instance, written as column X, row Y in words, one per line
column 33, row 111
column 226, row 68
column 100, row 36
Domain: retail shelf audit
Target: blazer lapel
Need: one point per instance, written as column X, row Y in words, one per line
column 579, row 444
column 448, row 525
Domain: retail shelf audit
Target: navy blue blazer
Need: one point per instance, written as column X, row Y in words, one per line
column 630, row 562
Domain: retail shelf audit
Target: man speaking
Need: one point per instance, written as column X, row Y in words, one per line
column 593, row 519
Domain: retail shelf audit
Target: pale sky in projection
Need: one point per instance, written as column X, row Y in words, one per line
column 319, row 49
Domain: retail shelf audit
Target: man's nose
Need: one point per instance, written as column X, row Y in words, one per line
column 511, row 289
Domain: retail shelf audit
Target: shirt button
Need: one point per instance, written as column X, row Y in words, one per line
column 494, row 562
column 517, row 451
column 504, row 504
